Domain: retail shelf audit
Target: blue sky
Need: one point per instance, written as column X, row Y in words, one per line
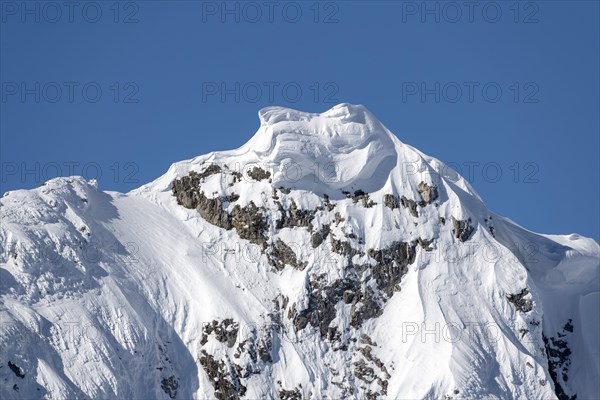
column 505, row 92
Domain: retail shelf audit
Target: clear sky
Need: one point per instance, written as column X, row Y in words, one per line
column 506, row 92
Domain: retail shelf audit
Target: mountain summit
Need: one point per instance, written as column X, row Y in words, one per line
column 347, row 138
column 322, row 259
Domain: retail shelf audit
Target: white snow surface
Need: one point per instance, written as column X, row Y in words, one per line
column 107, row 295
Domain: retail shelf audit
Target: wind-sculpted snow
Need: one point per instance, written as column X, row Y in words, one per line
column 343, row 147
column 324, row 258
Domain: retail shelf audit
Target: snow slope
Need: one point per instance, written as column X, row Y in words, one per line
column 323, row 258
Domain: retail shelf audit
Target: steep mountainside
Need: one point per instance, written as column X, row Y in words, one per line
column 324, row 258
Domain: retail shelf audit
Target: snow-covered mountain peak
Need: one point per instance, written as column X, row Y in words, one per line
column 341, row 146
column 343, row 113
column 343, row 128
column 322, row 259
column 345, row 148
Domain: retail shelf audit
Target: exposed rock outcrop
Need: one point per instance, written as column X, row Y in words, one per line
column 462, row 229
column 170, row 386
column 428, row 193
column 363, row 197
column 18, row 371
column 290, row 394
column 410, row 204
column 318, row 237
column 281, row 255
column 248, row 221
column 521, row 301
column 391, row 201
column 392, row 265
column 258, row 174
column 294, row 216
column 225, row 381
column 225, row 331
column 559, row 360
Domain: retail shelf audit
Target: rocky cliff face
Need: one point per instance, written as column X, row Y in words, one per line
column 324, row 258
